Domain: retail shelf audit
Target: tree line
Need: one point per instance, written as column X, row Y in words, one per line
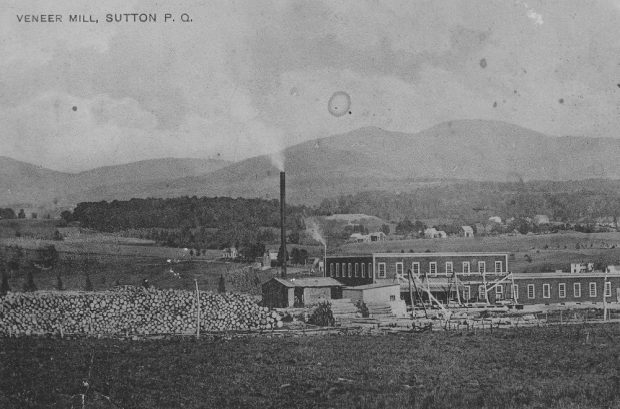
column 193, row 222
column 468, row 202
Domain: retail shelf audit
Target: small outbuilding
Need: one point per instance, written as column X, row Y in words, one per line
column 373, row 293
column 467, row 231
column 282, row 293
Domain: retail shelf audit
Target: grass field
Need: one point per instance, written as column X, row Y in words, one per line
column 562, row 367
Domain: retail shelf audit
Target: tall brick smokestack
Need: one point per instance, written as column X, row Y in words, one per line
column 282, row 222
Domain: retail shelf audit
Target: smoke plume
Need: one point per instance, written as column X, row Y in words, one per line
column 312, row 227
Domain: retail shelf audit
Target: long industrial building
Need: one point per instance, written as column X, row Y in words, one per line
column 468, row 277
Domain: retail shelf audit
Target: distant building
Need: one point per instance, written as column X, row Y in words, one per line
column 230, row 253
column 433, row 233
column 581, row 267
column 359, row 238
column 613, row 269
column 541, row 219
column 270, row 258
column 377, row 236
column 495, row 219
column 467, row 231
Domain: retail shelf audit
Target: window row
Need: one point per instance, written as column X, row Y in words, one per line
column 433, row 270
column 562, row 293
column 531, row 291
column 498, row 289
column 350, row 270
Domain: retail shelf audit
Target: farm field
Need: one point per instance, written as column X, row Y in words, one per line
column 532, row 253
column 558, row 367
column 108, row 265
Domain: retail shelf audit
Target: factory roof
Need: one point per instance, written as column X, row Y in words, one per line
column 371, row 286
column 565, row 274
column 309, row 282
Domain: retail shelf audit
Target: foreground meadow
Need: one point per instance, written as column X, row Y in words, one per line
column 561, row 367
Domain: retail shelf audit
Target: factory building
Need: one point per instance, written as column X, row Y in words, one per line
column 466, row 278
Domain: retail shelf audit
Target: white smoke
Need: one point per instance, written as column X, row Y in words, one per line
column 312, row 227
column 277, row 160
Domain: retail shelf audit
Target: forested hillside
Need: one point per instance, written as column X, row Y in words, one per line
column 192, row 222
column 475, row 201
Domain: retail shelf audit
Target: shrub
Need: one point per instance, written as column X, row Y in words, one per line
column 361, row 305
column 323, row 316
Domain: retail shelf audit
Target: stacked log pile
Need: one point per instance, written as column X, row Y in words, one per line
column 131, row 310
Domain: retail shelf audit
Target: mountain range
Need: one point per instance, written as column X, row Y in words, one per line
column 364, row 159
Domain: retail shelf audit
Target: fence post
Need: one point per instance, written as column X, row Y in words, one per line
column 197, row 310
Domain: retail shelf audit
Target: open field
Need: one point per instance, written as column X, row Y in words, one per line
column 547, row 252
column 108, row 263
column 562, row 367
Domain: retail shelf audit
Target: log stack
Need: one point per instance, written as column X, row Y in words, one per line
column 131, row 311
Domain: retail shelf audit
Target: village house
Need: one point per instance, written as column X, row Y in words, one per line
column 270, row 258
column 467, row 231
column 433, row 233
column 230, row 253
column 541, row 219
column 359, row 238
column 377, row 236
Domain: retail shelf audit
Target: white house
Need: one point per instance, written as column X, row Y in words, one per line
column 614, row 269
column 433, row 233
column 581, row 267
column 230, row 253
column 467, row 231
column 359, row 238
column 541, row 219
column 495, row 219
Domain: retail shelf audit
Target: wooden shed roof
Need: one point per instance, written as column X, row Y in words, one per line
column 308, row 282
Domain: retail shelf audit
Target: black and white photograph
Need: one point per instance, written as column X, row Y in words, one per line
column 310, row 204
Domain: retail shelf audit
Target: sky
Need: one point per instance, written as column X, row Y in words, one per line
column 244, row 78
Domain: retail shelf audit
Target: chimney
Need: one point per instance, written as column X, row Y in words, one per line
column 282, row 222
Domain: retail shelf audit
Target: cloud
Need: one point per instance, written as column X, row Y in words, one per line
column 249, row 78
column 533, row 15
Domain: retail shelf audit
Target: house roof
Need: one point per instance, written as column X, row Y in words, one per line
column 309, row 282
column 467, row 229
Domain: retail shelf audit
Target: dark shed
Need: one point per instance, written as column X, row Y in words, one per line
column 281, row 293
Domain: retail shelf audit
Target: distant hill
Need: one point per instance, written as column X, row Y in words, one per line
column 362, row 160
column 25, row 184
column 376, row 159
